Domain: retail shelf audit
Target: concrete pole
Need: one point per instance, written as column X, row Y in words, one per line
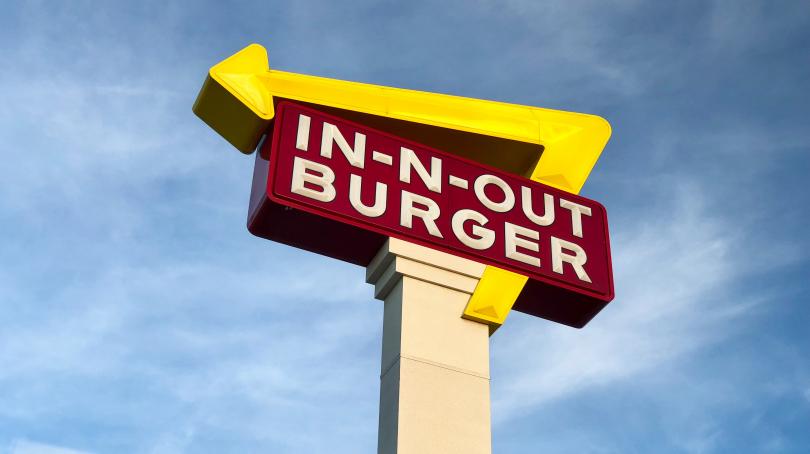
column 434, row 381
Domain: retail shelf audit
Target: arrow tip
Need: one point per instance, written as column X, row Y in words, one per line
column 233, row 100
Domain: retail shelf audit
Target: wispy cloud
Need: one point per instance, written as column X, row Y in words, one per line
column 671, row 273
column 32, row 447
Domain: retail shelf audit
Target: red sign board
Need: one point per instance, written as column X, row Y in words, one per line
column 340, row 189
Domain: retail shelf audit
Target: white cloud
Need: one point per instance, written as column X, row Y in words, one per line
column 32, row 447
column 672, row 270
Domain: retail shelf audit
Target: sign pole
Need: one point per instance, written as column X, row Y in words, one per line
column 460, row 209
column 434, row 380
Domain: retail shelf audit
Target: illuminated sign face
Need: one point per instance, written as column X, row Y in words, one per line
column 340, row 189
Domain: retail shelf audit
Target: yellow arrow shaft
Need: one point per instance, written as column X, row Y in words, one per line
column 508, row 121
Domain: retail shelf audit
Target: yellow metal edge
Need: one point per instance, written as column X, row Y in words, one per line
column 496, row 292
column 566, row 165
column 241, row 74
column 228, row 116
column 234, row 102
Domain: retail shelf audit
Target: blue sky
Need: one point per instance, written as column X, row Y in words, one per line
column 137, row 314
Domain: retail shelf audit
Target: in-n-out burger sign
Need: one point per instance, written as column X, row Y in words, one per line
column 339, row 188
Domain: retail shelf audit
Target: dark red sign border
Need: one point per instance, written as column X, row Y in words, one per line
column 605, row 298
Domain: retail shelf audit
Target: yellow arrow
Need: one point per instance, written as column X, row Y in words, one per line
column 554, row 147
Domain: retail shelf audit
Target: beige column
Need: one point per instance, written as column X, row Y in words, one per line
column 434, row 382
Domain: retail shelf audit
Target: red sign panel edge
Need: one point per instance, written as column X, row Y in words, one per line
column 319, row 211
